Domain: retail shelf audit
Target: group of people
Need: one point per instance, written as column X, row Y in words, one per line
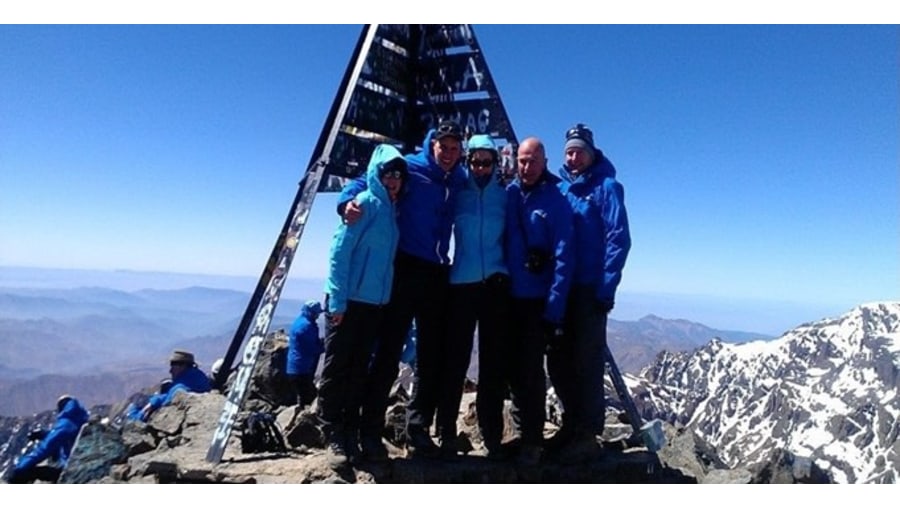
column 535, row 267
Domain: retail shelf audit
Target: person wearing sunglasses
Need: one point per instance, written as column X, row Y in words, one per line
column 361, row 268
column 479, row 295
column 421, row 284
column 186, row 376
column 601, row 242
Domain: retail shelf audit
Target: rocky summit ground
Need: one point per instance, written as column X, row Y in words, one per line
column 172, row 447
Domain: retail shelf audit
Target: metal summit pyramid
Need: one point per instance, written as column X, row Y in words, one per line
column 401, row 81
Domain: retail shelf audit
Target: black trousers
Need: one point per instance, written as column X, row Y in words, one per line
column 348, row 351
column 304, row 388
column 419, row 292
column 485, row 304
column 37, row 473
column 528, row 381
column 576, row 363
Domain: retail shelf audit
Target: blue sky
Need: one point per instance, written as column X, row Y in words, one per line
column 760, row 163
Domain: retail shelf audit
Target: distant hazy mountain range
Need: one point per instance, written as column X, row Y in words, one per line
column 59, row 340
column 636, row 343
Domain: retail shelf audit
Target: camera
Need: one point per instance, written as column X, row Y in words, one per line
column 536, row 260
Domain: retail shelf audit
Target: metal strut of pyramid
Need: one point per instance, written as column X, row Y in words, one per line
column 410, row 78
column 401, row 81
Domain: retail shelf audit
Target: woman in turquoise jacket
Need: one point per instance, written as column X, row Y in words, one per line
column 479, row 294
column 359, row 285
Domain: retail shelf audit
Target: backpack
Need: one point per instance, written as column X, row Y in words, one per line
column 259, row 433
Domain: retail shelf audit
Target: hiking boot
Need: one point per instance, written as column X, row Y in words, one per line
column 529, row 455
column 351, row 448
column 580, row 449
column 335, row 453
column 420, row 444
column 373, row 449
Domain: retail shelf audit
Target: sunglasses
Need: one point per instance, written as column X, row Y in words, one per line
column 394, row 169
column 475, row 162
column 580, row 131
column 392, row 175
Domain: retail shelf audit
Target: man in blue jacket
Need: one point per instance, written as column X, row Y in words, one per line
column 55, row 444
column 601, row 244
column 479, row 294
column 304, row 349
column 539, row 258
column 186, row 376
column 420, row 285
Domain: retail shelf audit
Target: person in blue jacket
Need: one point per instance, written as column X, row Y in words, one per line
column 540, row 262
column 479, row 295
column 304, row 350
column 420, row 287
column 601, row 244
column 361, row 269
column 135, row 412
column 186, row 376
column 56, row 444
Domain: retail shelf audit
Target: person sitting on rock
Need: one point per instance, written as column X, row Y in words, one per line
column 186, row 376
column 55, row 444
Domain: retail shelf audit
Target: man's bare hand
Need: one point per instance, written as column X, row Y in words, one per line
column 352, row 212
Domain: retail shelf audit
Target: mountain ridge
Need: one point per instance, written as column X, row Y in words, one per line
column 818, row 404
column 827, row 389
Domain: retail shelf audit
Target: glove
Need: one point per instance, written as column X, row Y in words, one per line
column 604, row 306
column 37, row 435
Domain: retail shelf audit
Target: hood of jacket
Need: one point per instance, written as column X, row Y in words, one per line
column 311, row 310
column 482, row 142
column 74, row 411
column 382, row 154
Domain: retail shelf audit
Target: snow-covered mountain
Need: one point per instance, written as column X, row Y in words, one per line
column 827, row 390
